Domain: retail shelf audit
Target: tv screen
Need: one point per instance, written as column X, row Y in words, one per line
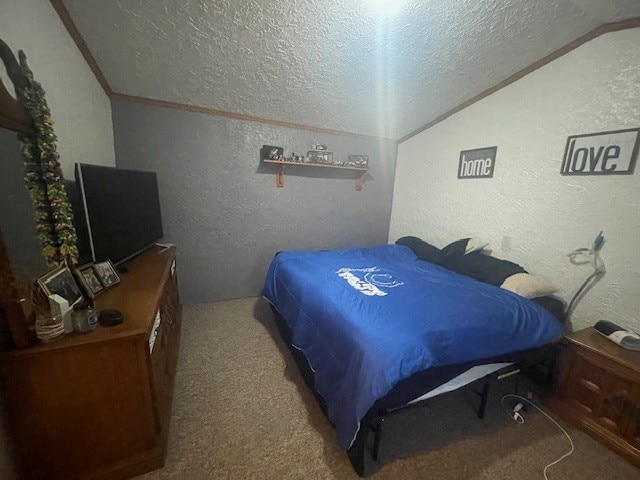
column 122, row 210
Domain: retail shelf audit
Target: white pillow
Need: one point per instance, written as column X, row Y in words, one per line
column 529, row 286
column 475, row 245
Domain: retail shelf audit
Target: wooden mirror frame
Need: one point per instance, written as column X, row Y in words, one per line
column 13, row 117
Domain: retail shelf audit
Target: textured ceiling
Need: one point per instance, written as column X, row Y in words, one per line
column 334, row 64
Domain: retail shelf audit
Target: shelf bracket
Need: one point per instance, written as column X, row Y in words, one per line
column 360, row 182
column 280, row 176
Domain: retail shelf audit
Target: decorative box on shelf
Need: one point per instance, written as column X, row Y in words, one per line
column 320, row 156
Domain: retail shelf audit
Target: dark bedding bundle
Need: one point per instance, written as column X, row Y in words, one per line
column 478, row 265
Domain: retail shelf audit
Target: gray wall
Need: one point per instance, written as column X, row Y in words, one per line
column 223, row 210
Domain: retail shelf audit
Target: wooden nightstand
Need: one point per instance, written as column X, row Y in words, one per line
column 599, row 392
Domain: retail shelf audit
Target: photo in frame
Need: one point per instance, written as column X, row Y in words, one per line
column 61, row 282
column 89, row 280
column 106, row 273
column 268, row 152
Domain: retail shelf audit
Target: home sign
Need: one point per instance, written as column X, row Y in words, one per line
column 477, row 163
column 605, row 153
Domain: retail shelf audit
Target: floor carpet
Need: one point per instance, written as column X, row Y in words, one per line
column 241, row 410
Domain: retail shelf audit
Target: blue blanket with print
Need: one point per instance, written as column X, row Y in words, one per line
column 367, row 318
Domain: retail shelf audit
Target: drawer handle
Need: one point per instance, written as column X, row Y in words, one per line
column 619, row 403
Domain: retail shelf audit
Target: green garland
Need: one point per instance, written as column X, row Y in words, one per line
column 43, row 176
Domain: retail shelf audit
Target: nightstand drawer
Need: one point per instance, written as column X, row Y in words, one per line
column 602, row 393
column 599, row 392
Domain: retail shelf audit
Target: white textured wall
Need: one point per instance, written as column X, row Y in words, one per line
column 80, row 108
column 528, row 211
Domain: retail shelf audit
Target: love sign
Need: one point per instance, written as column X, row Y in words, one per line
column 605, row 153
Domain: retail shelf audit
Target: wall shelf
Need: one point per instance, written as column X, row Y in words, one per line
column 282, row 164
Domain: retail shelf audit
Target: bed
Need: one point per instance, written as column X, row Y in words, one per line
column 377, row 330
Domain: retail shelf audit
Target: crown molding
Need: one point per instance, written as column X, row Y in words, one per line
column 241, row 116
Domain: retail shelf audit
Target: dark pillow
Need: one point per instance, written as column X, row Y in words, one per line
column 455, row 249
column 553, row 305
column 422, row 249
column 484, row 268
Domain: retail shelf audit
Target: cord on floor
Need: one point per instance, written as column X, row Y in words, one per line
column 517, row 416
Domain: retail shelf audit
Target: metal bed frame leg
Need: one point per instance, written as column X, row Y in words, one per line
column 483, row 400
column 377, row 432
column 356, row 453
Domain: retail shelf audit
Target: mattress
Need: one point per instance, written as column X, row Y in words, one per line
column 469, row 376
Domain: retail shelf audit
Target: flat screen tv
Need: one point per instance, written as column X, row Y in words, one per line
column 121, row 208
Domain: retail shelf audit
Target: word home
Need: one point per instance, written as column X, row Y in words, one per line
column 478, row 163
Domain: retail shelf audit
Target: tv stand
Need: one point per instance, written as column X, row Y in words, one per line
column 97, row 405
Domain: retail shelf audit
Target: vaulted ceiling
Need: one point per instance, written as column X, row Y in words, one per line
column 375, row 67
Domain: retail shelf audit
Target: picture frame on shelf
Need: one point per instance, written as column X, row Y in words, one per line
column 89, row 280
column 269, row 152
column 60, row 281
column 106, row 273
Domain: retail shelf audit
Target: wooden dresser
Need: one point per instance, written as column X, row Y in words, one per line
column 97, row 405
column 599, row 392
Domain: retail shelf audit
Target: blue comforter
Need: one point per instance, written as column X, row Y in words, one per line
column 367, row 318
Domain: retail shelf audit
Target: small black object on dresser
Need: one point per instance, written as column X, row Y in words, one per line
column 110, row 318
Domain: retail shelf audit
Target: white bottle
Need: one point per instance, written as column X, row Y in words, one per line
column 60, row 306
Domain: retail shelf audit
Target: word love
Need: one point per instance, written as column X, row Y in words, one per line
column 606, row 153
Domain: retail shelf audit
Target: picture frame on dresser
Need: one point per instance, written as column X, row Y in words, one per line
column 60, row 281
column 107, row 273
column 88, row 278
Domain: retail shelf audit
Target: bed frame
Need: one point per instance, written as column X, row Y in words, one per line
column 544, row 358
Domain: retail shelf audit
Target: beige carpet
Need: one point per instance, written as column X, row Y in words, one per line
column 241, row 410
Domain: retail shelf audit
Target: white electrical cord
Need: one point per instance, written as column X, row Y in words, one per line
column 515, row 414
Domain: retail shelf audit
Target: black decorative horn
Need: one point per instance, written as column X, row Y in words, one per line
column 14, row 70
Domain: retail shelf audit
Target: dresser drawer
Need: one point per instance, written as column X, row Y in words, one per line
column 164, row 353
